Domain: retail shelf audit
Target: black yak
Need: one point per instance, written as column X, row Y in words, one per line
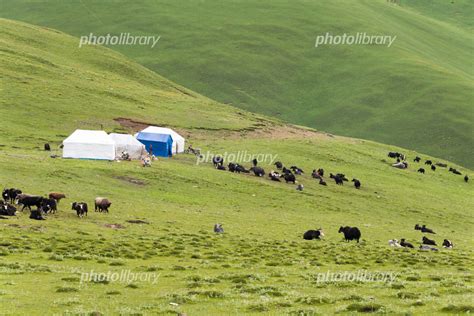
column 425, row 229
column 428, row 162
column 278, row 165
column 337, row 178
column 289, row 177
column 258, row 171
column 29, row 201
column 421, row 170
column 447, row 244
column 417, row 159
column 433, row 167
column 50, row 205
column 350, row 233
column 427, row 241
column 466, row 179
column 403, row 243
column 356, row 183
column 322, row 182
column 313, row 234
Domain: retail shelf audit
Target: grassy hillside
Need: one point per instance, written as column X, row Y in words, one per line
column 260, row 56
column 261, row 264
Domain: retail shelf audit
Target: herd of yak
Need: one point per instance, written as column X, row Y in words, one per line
column 44, row 205
column 287, row 174
column 350, row 233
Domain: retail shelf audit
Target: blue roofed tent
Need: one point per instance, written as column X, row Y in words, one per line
column 161, row 144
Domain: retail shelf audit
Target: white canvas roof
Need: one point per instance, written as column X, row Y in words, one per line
column 87, row 144
column 128, row 143
column 178, row 140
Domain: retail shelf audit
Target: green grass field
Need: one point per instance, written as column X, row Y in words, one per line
column 260, row 56
column 261, row 264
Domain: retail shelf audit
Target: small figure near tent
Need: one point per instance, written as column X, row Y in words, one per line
column 125, row 156
column 146, row 161
column 218, row 229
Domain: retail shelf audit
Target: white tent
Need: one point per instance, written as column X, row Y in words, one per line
column 128, row 143
column 87, row 144
column 178, row 140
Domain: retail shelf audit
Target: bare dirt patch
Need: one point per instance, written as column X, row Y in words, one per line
column 114, row 226
column 131, row 180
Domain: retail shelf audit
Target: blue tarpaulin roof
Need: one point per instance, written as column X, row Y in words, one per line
column 159, row 144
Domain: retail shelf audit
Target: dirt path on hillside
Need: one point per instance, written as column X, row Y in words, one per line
column 262, row 131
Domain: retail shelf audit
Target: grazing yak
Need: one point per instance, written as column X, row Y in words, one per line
column 274, row 176
column 80, row 208
column 433, row 167
column 421, row 170
column 235, row 167
column 442, row 165
column 57, row 196
column 337, row 178
column 102, row 204
column 254, row 162
column 405, row 244
column 428, row 162
column 7, row 209
column 296, row 170
column 218, row 229
column 466, row 179
column 350, row 233
column 258, row 171
column 313, row 234
column 426, row 241
column 322, row 182
column 417, row 159
column 356, row 183
column 217, row 161
column 278, row 165
column 396, row 155
column 417, row 227
column 447, row 244
column 289, row 177
column 425, row 229
column 37, row 215
column 47, row 147
column 400, row 165
column 50, row 205
column 9, row 195
column 454, row 171
column 29, row 201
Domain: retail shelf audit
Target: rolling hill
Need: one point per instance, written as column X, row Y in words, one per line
column 161, row 217
column 260, row 56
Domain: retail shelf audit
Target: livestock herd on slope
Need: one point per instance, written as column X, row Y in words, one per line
column 45, row 205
